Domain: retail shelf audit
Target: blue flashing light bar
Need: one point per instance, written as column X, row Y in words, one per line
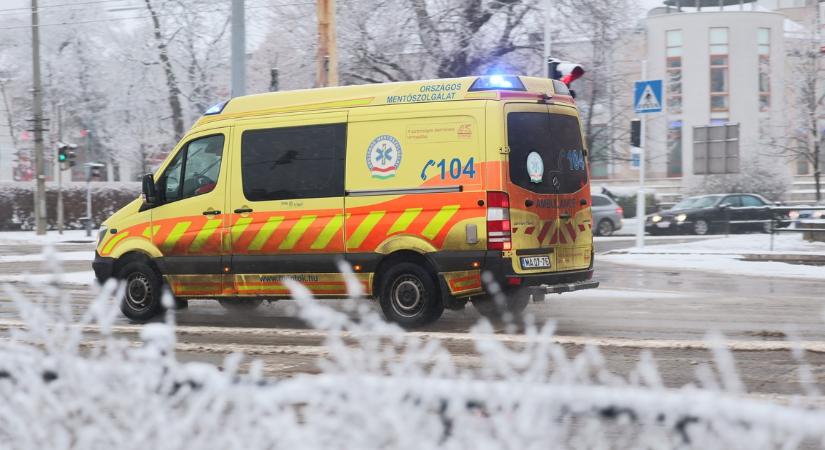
column 498, row 82
column 216, row 109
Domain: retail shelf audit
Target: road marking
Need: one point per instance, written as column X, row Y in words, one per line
column 674, row 344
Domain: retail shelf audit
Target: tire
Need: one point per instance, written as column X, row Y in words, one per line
column 142, row 300
column 409, row 296
column 240, row 304
column 516, row 303
column 701, row 227
column 604, row 228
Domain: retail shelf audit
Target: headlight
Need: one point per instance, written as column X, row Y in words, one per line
column 819, row 214
column 793, row 214
column 681, row 217
column 656, row 219
column 101, row 233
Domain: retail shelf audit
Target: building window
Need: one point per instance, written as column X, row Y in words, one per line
column 674, row 71
column 719, row 69
column 764, row 42
column 599, row 151
column 674, row 149
column 802, row 167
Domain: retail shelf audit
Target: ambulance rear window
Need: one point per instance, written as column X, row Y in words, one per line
column 549, row 140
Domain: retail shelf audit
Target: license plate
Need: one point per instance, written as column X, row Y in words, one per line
column 535, row 262
column 663, row 224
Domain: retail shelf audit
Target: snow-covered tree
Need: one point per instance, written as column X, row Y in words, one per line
column 802, row 138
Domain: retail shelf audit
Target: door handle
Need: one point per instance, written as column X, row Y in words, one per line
column 564, row 216
column 243, row 210
column 212, row 212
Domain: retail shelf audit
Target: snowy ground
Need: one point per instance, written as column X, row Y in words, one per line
column 51, row 237
column 726, row 255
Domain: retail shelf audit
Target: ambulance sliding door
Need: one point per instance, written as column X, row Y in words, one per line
column 287, row 203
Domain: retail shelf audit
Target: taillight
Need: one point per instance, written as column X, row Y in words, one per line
column 498, row 221
column 620, row 211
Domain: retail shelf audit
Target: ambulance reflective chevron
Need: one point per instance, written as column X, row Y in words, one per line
column 421, row 187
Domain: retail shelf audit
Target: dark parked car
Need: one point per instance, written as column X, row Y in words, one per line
column 707, row 214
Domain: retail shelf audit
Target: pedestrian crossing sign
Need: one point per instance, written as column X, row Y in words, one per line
column 648, row 97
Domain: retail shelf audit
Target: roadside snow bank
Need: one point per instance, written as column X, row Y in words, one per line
column 728, row 255
column 380, row 388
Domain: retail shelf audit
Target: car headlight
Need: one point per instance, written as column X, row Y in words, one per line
column 101, row 233
column 656, row 219
column 681, row 217
column 818, row 214
column 793, row 214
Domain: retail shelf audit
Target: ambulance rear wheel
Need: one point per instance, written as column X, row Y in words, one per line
column 142, row 297
column 409, row 296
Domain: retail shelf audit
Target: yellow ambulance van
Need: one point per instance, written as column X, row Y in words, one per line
column 421, row 187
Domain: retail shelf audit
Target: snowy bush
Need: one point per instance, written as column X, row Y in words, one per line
column 755, row 177
column 69, row 385
column 17, row 203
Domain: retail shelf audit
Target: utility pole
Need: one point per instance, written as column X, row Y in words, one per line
column 238, row 48
column 327, row 54
column 548, row 38
column 60, row 165
column 40, row 194
column 641, row 199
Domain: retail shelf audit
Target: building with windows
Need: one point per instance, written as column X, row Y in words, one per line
column 719, row 65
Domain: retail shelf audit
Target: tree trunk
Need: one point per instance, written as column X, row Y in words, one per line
column 171, row 81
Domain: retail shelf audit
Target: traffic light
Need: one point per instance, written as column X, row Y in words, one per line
column 66, row 155
column 636, row 133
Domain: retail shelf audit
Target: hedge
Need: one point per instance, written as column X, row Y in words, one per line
column 17, row 203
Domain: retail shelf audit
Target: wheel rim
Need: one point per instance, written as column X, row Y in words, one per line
column 605, row 229
column 407, row 296
column 138, row 292
column 701, row 227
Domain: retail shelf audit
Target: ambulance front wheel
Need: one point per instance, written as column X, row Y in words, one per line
column 409, row 296
column 142, row 297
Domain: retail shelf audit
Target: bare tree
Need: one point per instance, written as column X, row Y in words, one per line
column 171, row 80
column 595, row 33
column 437, row 39
column 802, row 136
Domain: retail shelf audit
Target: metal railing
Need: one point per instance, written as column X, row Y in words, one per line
column 781, row 214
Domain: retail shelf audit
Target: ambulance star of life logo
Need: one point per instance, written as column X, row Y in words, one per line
column 384, row 157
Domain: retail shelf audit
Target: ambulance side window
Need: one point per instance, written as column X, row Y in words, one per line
column 294, row 162
column 169, row 182
column 194, row 170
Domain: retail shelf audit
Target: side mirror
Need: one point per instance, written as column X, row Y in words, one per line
column 725, row 205
column 150, row 193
